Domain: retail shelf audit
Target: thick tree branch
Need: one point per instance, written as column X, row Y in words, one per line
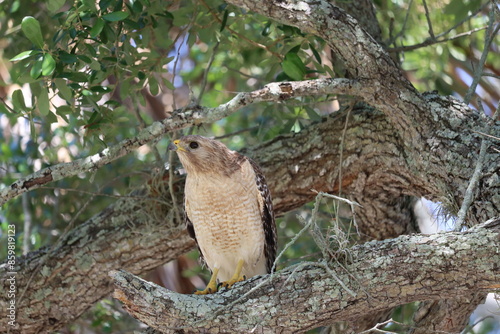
column 363, row 58
column 181, row 118
column 135, row 235
column 383, row 274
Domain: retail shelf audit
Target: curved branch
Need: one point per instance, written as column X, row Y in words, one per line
column 387, row 274
column 181, row 118
column 135, row 236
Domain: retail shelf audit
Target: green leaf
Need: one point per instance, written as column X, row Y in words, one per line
column 18, row 100
column 3, row 109
column 64, row 91
column 313, row 115
column 93, row 117
column 153, row 86
column 43, row 102
column 315, row 53
column 54, row 5
column 267, row 29
column 24, row 55
column 97, row 28
column 31, row 28
column 115, row 16
column 48, row 64
column 67, row 58
column 36, row 70
column 77, row 76
column 224, row 20
column 90, row 4
column 168, row 84
column 85, row 59
column 293, row 66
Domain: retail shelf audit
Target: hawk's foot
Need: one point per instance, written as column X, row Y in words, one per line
column 211, row 286
column 237, row 277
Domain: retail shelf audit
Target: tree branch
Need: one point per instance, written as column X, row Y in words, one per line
column 363, row 58
column 388, row 273
column 181, row 118
column 135, row 235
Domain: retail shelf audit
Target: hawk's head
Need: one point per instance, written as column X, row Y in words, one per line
column 204, row 155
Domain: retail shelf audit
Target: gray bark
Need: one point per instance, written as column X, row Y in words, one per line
column 415, row 145
column 382, row 274
column 133, row 233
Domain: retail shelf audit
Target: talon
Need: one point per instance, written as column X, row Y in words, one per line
column 236, row 277
column 212, row 286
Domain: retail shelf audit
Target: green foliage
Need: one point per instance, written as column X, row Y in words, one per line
column 445, row 66
column 85, row 74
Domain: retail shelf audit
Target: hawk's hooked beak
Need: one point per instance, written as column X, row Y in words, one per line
column 174, row 146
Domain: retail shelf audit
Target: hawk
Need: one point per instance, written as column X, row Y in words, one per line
column 229, row 211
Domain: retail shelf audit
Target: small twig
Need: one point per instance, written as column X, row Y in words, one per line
column 435, row 41
column 205, row 74
column 486, row 135
column 486, row 74
column 290, row 243
column 471, row 326
column 399, row 34
column 240, row 36
column 142, row 126
column 480, row 9
column 351, row 203
column 469, row 194
column 476, row 175
column 429, row 23
column 237, row 132
column 342, row 140
column 490, row 32
column 376, row 328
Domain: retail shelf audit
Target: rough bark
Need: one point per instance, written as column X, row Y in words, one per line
column 134, row 237
column 449, row 315
column 415, row 117
column 381, row 274
column 420, row 145
column 364, row 12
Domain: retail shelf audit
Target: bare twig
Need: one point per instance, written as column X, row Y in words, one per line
column 490, row 33
column 486, row 74
column 469, row 193
column 435, row 41
column 205, row 74
column 342, row 140
column 377, row 329
column 429, row 23
column 227, row 135
column 479, row 10
column 487, row 135
column 399, row 34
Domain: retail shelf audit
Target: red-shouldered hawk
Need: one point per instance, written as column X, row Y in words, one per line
column 229, row 211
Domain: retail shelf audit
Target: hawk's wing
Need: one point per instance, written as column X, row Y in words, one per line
column 192, row 234
column 267, row 214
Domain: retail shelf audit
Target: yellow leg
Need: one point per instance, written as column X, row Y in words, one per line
column 236, row 277
column 211, row 286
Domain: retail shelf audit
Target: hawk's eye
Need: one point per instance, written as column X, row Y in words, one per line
column 193, row 145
